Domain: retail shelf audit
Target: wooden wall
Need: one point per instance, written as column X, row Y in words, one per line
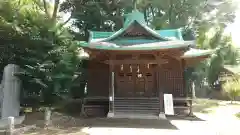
column 98, row 79
column 171, row 78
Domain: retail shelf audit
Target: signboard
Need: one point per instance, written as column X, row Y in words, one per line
column 168, row 104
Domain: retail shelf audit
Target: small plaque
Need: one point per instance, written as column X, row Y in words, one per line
column 168, row 104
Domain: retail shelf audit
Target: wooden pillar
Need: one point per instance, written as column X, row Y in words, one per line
column 111, row 90
column 188, row 93
column 182, row 70
column 191, row 101
column 160, row 90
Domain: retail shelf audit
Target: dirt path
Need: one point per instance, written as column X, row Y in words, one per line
column 221, row 121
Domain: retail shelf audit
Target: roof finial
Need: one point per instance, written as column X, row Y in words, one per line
column 135, row 5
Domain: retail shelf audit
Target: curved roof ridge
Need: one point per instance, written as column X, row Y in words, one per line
column 119, row 32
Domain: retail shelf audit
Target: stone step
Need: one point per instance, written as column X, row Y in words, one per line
column 135, row 116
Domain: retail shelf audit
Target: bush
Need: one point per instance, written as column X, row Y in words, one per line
column 238, row 115
column 232, row 88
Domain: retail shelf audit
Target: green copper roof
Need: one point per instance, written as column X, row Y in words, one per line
column 149, row 46
column 131, row 19
column 164, row 39
column 134, row 16
column 146, row 46
column 129, row 41
column 175, row 34
column 167, row 34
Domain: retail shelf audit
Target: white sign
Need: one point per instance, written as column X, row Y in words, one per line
column 110, row 98
column 168, row 104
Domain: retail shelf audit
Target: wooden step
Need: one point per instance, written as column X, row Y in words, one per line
column 131, row 105
column 137, row 105
column 144, row 111
column 136, row 98
column 136, row 116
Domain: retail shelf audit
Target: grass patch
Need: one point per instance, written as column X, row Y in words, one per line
column 237, row 115
column 206, row 102
column 205, row 105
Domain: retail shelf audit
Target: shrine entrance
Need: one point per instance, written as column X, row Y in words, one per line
column 135, row 80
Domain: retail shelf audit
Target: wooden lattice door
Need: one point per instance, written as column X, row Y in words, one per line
column 136, row 80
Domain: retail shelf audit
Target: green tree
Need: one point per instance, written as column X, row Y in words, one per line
column 99, row 15
column 39, row 43
column 194, row 15
column 225, row 53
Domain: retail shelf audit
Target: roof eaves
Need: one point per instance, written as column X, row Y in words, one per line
column 197, row 53
column 148, row 46
column 90, row 36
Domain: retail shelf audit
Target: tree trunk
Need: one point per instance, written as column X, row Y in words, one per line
column 55, row 10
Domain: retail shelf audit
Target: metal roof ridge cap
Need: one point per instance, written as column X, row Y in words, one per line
column 118, row 32
column 153, row 32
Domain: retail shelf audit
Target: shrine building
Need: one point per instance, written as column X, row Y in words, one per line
column 135, row 66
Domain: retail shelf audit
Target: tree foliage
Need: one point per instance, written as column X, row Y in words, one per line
column 99, row 15
column 43, row 48
column 107, row 15
column 225, row 54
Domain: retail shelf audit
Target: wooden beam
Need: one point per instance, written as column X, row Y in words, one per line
column 135, row 62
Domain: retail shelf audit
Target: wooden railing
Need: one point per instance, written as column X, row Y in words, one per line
column 89, row 109
column 188, row 107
